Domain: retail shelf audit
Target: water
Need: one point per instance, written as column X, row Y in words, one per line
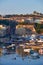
column 14, row 59
column 20, row 58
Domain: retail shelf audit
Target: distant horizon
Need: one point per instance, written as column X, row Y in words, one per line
column 19, row 14
column 20, row 6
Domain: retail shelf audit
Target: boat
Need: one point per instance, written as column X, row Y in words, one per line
column 34, row 54
column 27, row 50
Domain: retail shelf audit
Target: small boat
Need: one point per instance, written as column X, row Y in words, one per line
column 31, row 51
column 34, row 54
column 27, row 50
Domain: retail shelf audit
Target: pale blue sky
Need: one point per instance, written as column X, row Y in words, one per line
column 20, row 6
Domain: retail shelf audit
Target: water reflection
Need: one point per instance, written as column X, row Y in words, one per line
column 17, row 56
column 21, row 53
column 19, row 50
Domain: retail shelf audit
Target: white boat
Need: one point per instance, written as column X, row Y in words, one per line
column 35, row 55
column 27, row 50
column 40, row 40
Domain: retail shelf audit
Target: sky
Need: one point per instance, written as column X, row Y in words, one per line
column 20, row 6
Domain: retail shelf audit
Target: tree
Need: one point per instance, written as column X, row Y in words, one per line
column 37, row 27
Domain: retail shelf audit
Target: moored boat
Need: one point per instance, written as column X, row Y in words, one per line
column 27, row 50
column 34, row 54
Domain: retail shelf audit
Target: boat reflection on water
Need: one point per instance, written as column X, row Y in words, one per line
column 18, row 56
column 27, row 53
column 21, row 51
